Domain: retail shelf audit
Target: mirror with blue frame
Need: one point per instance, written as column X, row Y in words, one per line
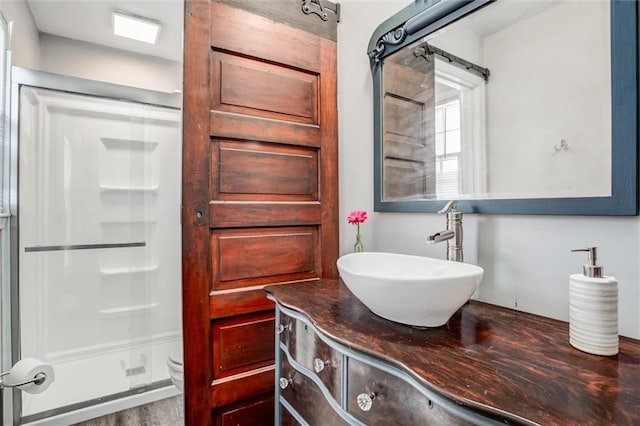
column 512, row 106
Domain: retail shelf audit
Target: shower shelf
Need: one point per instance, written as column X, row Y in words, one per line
column 129, row 309
column 135, row 189
column 124, row 271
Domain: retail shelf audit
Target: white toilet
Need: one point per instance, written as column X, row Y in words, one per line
column 176, row 368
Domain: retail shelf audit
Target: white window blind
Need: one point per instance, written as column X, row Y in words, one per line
column 448, row 150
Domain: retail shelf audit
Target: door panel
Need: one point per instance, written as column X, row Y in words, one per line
column 241, row 386
column 242, row 32
column 261, row 98
column 289, row 11
column 245, row 170
column 255, row 412
column 258, row 256
column 273, row 91
column 243, row 345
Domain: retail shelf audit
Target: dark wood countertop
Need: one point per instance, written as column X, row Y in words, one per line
column 486, row 356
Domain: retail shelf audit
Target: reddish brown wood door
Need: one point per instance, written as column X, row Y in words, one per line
column 260, row 191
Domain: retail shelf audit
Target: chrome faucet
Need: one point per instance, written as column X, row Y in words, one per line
column 453, row 234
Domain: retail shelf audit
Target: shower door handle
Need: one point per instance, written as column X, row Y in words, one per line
column 83, row 246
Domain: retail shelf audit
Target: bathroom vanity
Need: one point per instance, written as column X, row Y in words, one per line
column 338, row 363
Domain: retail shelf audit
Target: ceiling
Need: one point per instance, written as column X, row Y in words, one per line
column 90, row 21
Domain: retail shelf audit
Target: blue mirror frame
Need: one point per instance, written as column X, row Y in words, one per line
column 426, row 16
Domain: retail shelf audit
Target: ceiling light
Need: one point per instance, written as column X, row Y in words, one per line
column 135, row 27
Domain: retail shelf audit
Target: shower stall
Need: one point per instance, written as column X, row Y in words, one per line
column 95, row 241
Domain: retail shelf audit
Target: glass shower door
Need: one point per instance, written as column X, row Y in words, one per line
column 99, row 244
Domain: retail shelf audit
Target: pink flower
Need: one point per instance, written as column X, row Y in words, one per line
column 357, row 217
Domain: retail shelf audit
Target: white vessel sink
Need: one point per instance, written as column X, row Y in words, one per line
column 412, row 290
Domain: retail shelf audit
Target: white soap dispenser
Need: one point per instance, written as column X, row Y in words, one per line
column 593, row 309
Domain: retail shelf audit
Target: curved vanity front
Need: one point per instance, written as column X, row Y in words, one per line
column 338, row 363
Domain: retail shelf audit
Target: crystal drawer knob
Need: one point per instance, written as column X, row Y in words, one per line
column 285, row 382
column 281, row 328
column 365, row 401
column 318, row 364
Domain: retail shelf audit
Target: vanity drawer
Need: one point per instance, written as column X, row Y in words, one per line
column 393, row 401
column 309, row 350
column 287, row 419
column 304, row 396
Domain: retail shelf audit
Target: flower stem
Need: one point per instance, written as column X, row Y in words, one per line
column 358, row 247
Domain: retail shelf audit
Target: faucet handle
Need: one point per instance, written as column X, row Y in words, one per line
column 451, row 205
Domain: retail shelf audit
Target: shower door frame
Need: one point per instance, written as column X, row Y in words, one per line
column 19, row 77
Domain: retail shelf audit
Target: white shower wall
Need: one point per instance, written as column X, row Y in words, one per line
column 98, row 171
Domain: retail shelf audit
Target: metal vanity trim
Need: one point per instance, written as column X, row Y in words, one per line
column 340, row 410
column 450, row 406
column 294, row 413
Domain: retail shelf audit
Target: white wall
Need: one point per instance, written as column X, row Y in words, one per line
column 45, row 52
column 542, row 61
column 355, row 110
column 86, row 60
column 566, row 50
column 23, row 42
column 526, row 258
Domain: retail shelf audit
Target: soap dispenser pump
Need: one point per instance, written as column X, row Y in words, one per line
column 593, row 308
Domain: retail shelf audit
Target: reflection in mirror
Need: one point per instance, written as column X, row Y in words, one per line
column 512, row 101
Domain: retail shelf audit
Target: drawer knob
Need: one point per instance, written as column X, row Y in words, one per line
column 281, row 328
column 319, row 365
column 285, row 382
column 365, row 401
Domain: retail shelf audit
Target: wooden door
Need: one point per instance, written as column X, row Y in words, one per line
column 260, row 191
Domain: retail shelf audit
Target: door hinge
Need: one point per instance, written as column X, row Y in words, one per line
column 320, row 7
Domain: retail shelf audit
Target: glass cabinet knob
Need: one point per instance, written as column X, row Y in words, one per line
column 318, row 364
column 281, row 328
column 285, row 382
column 365, row 400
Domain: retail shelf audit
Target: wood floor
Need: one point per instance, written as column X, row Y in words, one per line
column 166, row 412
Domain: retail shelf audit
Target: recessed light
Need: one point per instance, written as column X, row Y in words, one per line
column 135, row 27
